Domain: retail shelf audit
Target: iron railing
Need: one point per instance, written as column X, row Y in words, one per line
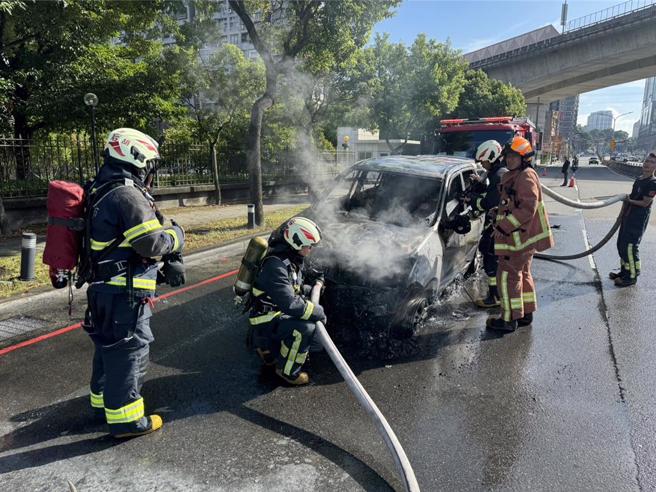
column 608, row 14
column 27, row 166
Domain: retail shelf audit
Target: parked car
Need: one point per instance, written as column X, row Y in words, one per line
column 593, row 160
column 386, row 252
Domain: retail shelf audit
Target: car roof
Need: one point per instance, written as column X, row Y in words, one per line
column 431, row 166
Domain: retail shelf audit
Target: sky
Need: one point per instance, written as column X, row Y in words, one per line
column 470, row 25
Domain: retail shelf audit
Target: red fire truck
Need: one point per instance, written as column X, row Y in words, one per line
column 461, row 137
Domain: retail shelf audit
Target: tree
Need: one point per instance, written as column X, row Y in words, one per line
column 483, row 96
column 320, row 32
column 219, row 93
column 51, row 55
column 411, row 87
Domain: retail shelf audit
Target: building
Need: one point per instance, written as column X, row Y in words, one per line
column 560, row 125
column 647, row 135
column 636, row 129
column 600, row 120
column 364, row 144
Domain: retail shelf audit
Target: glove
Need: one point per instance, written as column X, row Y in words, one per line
column 174, row 269
column 318, row 314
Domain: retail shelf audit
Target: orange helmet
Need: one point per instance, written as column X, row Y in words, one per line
column 521, row 146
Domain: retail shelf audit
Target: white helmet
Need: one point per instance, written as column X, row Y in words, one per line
column 299, row 232
column 490, row 150
column 132, row 147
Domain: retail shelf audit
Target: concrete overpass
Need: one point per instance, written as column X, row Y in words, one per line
column 591, row 56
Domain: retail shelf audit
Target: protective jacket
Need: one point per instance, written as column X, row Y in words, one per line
column 279, row 288
column 522, row 222
column 489, row 200
column 127, row 211
column 638, row 217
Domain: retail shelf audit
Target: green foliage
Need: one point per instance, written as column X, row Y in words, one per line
column 483, row 97
column 411, row 87
column 52, row 54
column 221, row 90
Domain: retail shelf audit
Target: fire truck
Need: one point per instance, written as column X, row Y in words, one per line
column 462, row 137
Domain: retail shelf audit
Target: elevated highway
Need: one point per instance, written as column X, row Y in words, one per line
column 600, row 54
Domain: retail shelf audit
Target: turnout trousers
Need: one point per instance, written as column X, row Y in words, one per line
column 628, row 243
column 490, row 260
column 516, row 286
column 121, row 335
column 285, row 341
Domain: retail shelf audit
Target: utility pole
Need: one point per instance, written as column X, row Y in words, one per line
column 563, row 16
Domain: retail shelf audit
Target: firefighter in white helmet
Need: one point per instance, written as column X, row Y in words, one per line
column 281, row 317
column 489, row 154
column 123, row 236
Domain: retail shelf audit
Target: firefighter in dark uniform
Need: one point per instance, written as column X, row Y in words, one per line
column 634, row 223
column 489, row 155
column 125, row 235
column 281, row 317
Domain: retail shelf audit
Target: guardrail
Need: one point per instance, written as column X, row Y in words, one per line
column 607, row 14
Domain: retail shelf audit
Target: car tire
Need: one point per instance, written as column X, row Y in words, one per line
column 415, row 312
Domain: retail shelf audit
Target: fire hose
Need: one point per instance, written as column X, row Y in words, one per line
column 385, row 430
column 585, row 206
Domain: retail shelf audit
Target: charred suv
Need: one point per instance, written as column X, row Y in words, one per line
column 389, row 247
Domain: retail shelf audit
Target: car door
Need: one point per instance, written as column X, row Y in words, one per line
column 453, row 254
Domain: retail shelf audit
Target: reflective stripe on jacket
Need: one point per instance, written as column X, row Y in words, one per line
column 278, row 290
column 522, row 222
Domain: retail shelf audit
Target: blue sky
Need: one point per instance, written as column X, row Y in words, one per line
column 470, row 25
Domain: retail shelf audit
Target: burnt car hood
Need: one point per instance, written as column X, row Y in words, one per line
column 371, row 251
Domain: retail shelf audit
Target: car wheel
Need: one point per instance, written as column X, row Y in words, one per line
column 415, row 313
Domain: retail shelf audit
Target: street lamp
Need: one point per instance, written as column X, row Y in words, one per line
column 618, row 117
column 91, row 100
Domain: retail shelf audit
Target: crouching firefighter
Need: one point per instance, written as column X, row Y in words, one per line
column 489, row 155
column 124, row 232
column 282, row 319
column 521, row 229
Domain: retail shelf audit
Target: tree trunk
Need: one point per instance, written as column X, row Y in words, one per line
column 215, row 174
column 3, row 219
column 23, row 135
column 253, row 155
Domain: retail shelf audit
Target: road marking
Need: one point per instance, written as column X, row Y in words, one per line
column 587, row 247
column 61, row 331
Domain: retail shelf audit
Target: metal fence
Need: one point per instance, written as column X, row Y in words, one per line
column 27, row 166
column 608, row 14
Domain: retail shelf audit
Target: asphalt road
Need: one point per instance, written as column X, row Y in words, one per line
column 565, row 405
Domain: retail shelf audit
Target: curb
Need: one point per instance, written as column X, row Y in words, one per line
column 232, row 247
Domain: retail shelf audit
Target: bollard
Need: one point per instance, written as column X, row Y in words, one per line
column 251, row 216
column 28, row 254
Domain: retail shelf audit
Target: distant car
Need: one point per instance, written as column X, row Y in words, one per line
column 593, row 160
column 386, row 253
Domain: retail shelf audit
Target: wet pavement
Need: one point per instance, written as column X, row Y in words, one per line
column 564, row 405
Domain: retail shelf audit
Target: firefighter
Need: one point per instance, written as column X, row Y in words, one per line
column 489, row 155
column 125, row 235
column 282, row 319
column 521, row 229
column 634, row 224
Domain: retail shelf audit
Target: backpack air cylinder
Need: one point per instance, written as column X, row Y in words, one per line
column 249, row 265
column 28, row 254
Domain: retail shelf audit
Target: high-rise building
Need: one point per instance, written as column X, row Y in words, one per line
column 560, row 124
column 600, row 120
column 647, row 135
column 636, row 129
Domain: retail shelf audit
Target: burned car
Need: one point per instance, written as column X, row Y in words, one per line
column 389, row 248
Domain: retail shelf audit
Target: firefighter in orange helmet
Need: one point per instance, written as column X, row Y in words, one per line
column 521, row 229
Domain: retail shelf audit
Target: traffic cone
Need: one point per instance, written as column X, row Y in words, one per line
column 572, row 182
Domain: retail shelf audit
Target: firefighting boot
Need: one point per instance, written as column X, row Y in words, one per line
column 299, row 380
column 625, row 282
column 526, row 320
column 155, row 424
column 614, row 275
column 491, row 301
column 499, row 324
